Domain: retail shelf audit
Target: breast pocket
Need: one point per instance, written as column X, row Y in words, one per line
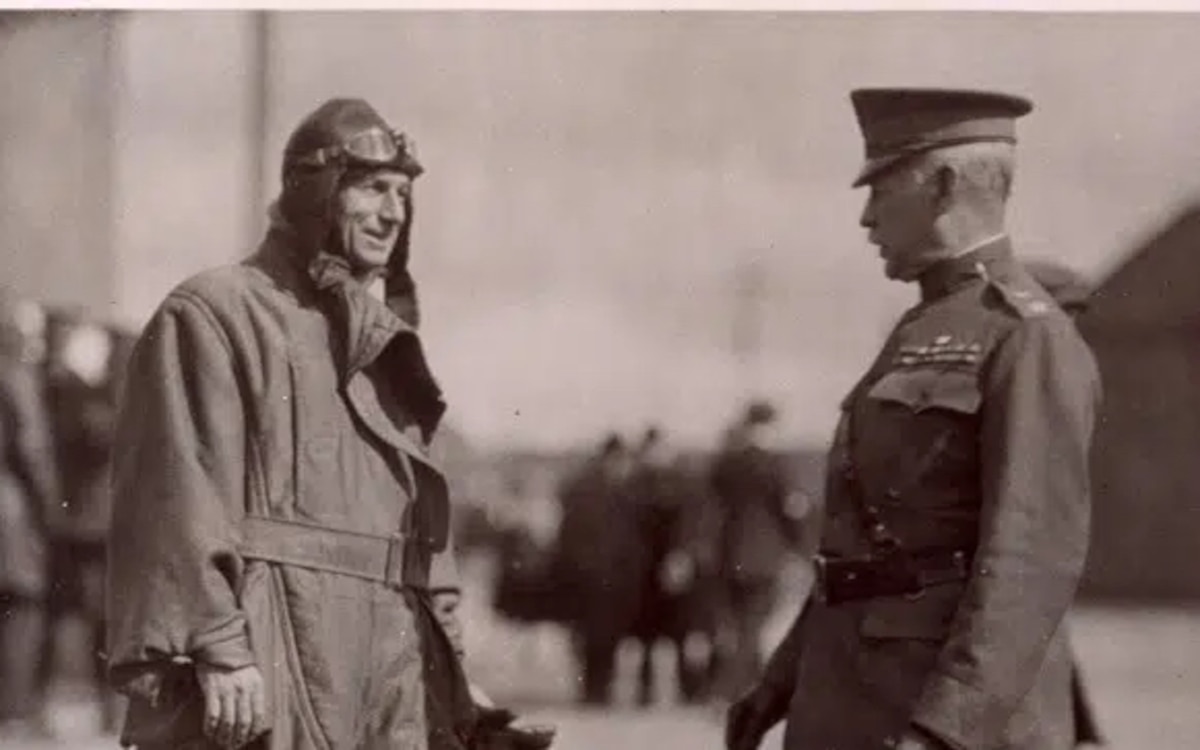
column 934, row 414
column 925, row 390
column 318, row 421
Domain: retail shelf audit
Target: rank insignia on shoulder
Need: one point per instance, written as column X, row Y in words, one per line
column 943, row 351
column 1024, row 302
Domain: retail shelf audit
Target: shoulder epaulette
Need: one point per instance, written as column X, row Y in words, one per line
column 1021, row 299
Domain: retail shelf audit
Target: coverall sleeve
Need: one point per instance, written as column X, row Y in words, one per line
column 179, row 468
column 1039, row 406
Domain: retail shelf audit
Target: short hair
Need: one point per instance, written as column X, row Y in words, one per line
column 986, row 166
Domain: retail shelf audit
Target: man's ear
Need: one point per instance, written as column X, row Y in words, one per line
column 946, row 185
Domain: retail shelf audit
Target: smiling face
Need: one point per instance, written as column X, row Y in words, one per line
column 371, row 210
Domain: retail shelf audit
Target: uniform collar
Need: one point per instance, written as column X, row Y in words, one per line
column 978, row 262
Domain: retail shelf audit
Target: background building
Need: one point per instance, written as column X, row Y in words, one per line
column 1144, row 325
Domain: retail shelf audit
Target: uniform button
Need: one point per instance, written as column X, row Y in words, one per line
column 893, row 493
column 878, row 528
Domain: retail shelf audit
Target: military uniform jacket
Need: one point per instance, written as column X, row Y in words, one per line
column 971, row 430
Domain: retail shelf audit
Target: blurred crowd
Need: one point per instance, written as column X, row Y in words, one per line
column 650, row 544
column 60, row 373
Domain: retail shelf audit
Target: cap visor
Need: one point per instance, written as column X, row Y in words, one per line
column 874, row 167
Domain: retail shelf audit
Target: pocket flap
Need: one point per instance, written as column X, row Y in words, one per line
column 930, row 389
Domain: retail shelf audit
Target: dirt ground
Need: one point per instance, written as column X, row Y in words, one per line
column 1143, row 666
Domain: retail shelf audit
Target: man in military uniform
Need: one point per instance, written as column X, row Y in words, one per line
column 958, row 498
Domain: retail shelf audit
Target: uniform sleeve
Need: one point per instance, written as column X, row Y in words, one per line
column 1039, row 407
column 178, row 495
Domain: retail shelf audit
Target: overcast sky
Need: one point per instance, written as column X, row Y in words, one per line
column 598, row 184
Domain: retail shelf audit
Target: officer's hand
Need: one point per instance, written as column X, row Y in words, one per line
column 235, row 704
column 445, row 609
column 914, row 740
column 521, row 737
column 752, row 716
column 498, row 729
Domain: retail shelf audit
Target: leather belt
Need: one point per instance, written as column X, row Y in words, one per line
column 393, row 560
column 901, row 573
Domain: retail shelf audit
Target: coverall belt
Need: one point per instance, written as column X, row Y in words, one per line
column 351, row 553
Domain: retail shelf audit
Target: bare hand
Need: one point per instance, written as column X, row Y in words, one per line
column 913, row 740
column 497, row 729
column 235, row 704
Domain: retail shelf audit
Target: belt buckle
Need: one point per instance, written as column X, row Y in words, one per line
column 393, row 571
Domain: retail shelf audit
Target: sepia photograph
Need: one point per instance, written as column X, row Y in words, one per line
column 614, row 377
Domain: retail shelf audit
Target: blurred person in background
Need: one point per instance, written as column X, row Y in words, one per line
column 81, row 399
column 957, row 504
column 678, row 580
column 28, row 497
column 525, row 527
column 756, row 529
column 280, row 568
column 600, row 559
